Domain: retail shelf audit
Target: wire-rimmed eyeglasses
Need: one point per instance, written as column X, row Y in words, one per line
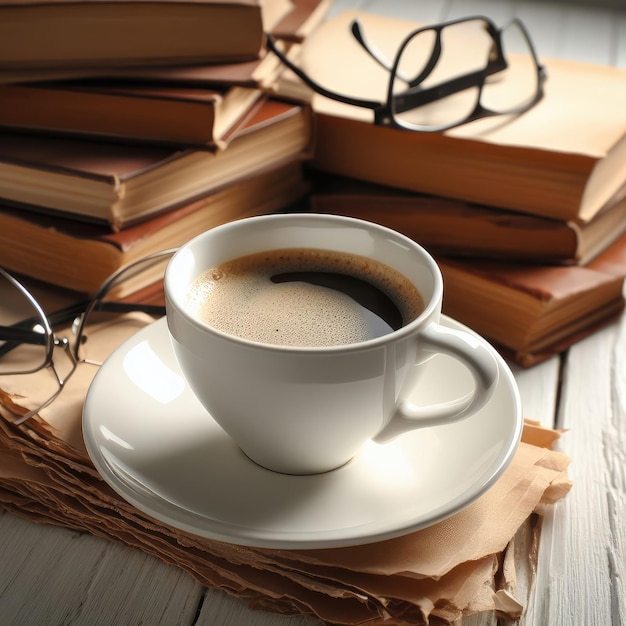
column 448, row 74
column 30, row 344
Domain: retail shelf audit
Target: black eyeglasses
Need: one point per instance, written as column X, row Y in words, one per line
column 448, row 74
column 30, row 344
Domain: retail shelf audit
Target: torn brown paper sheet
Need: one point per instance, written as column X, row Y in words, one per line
column 463, row 565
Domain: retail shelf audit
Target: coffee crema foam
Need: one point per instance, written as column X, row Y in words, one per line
column 243, row 298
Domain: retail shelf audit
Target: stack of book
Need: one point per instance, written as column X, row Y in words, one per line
column 525, row 214
column 110, row 150
column 122, row 135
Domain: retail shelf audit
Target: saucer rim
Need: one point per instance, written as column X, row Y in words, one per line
column 176, row 516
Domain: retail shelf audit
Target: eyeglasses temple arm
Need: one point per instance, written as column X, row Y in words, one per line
column 357, row 32
column 127, row 271
column 13, row 336
column 22, row 331
column 130, row 307
column 327, row 93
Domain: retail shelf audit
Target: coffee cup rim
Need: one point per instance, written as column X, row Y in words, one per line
column 174, row 306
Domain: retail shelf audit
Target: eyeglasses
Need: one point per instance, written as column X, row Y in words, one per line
column 448, row 74
column 30, row 345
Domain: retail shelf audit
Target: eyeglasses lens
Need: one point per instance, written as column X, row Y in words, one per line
column 23, row 341
column 36, row 360
column 447, row 92
column 138, row 287
column 515, row 87
column 33, row 366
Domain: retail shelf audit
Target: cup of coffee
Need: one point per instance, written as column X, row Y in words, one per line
column 303, row 336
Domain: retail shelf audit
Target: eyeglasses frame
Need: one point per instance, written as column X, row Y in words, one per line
column 384, row 111
column 23, row 331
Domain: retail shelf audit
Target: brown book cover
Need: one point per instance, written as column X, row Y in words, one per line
column 177, row 116
column 301, row 18
column 531, row 312
column 304, row 17
column 453, row 227
column 92, row 33
column 122, row 183
column 565, row 158
column 80, row 255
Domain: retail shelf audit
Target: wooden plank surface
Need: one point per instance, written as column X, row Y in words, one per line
column 582, row 567
column 52, row 576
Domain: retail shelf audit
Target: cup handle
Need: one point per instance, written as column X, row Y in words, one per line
column 475, row 355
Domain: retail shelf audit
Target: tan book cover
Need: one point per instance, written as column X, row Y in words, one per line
column 565, row 158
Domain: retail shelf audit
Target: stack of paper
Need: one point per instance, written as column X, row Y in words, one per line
column 462, row 565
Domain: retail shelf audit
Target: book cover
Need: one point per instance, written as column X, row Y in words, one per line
column 531, row 312
column 261, row 71
column 453, row 227
column 49, row 34
column 304, row 17
column 118, row 111
column 565, row 158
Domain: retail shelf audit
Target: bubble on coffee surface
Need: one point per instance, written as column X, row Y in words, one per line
column 304, row 297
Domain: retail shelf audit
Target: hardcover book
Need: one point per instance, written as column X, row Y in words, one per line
column 120, row 184
column 454, row 227
column 198, row 117
column 531, row 312
column 80, row 255
column 301, row 17
column 36, row 35
column 565, row 158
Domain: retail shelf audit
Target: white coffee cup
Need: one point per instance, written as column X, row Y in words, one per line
column 305, row 410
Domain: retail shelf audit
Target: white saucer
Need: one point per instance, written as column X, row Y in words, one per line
column 157, row 447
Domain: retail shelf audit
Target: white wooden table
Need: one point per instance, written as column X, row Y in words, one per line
column 51, row 576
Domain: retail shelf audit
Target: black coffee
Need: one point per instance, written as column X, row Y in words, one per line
column 305, row 297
